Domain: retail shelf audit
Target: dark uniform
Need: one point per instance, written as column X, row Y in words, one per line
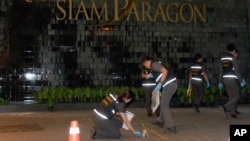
column 197, row 82
column 231, row 78
column 148, row 85
column 108, row 125
column 169, row 87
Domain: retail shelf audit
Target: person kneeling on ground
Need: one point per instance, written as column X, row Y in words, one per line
column 107, row 124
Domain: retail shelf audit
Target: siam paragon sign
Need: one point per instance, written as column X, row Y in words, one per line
column 139, row 10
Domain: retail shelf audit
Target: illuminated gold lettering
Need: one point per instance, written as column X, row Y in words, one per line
column 124, row 10
column 129, row 10
column 176, row 15
column 145, row 11
column 159, row 11
column 60, row 9
column 196, row 11
column 116, row 8
column 133, row 10
column 183, row 6
column 82, row 9
column 70, row 9
column 104, row 10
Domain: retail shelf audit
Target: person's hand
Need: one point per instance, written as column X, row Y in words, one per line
column 149, row 76
column 189, row 91
column 220, row 85
column 243, row 83
column 158, row 86
column 208, row 85
column 137, row 134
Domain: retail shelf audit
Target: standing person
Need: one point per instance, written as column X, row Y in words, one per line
column 197, row 75
column 107, row 124
column 168, row 84
column 231, row 78
column 236, row 54
column 148, row 85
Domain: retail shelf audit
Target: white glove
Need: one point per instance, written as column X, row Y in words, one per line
column 155, row 100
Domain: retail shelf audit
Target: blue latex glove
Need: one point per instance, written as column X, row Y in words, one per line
column 158, row 86
column 137, row 134
column 243, row 83
column 208, row 85
column 220, row 85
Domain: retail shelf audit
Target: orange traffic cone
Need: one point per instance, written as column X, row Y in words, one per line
column 74, row 131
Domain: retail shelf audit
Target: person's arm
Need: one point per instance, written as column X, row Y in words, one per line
column 146, row 76
column 220, row 73
column 158, row 67
column 143, row 75
column 190, row 77
column 206, row 79
column 236, row 69
column 164, row 73
column 126, row 121
column 205, row 76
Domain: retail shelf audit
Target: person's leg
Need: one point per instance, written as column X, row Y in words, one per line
column 198, row 90
column 238, row 102
column 148, row 94
column 232, row 89
column 236, row 99
column 197, row 95
column 201, row 93
column 166, row 96
column 107, row 128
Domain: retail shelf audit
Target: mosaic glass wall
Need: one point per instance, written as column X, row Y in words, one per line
column 38, row 50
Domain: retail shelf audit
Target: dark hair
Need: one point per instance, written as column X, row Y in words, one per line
column 231, row 47
column 236, row 50
column 127, row 94
column 197, row 56
column 146, row 58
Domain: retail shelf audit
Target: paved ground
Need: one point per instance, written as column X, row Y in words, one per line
column 42, row 125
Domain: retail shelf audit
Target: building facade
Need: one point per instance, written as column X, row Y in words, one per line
column 76, row 43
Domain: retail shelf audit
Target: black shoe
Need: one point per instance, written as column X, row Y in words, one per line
column 237, row 112
column 196, row 108
column 93, row 133
column 171, row 130
column 157, row 123
column 158, row 114
column 233, row 116
column 150, row 114
column 224, row 110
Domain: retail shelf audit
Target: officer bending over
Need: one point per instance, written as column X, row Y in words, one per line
column 107, row 124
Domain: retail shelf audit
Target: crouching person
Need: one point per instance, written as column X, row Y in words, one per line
column 110, row 116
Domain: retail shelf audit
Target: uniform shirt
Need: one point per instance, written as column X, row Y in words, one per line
column 148, row 82
column 155, row 66
column 203, row 69
column 235, row 66
column 121, row 107
column 110, row 110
